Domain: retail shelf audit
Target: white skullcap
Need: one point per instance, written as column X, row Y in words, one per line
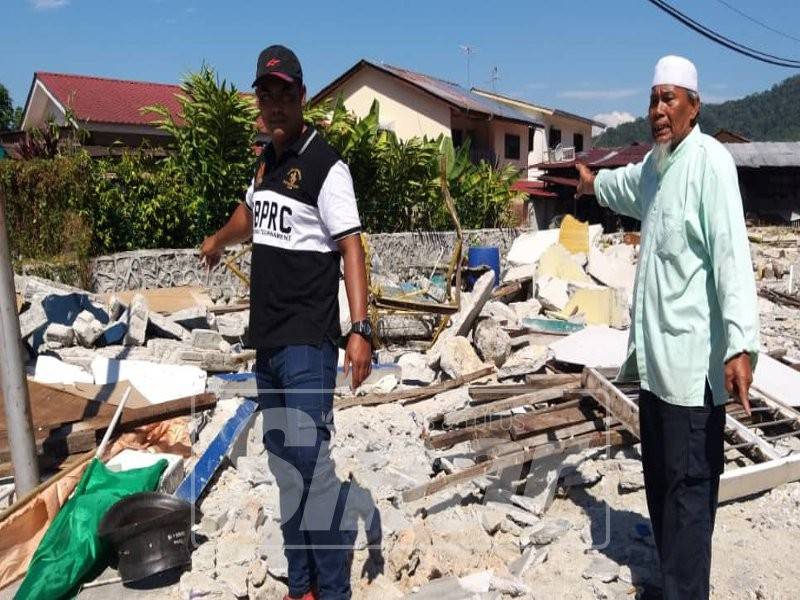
column 676, row 70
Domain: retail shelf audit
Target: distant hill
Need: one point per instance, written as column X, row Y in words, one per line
column 770, row 116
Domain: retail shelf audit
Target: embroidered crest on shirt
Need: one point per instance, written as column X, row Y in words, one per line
column 293, row 178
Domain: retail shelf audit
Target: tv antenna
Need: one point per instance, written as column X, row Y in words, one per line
column 494, row 77
column 469, row 51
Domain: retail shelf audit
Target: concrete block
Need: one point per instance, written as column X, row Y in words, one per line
column 138, row 316
column 207, row 339
column 399, row 327
column 87, row 329
column 234, row 326
column 32, row 319
column 527, row 309
column 545, row 532
column 500, row 312
column 458, row 357
column 492, row 342
column 115, row 308
column 528, row 359
column 63, row 335
column 160, row 326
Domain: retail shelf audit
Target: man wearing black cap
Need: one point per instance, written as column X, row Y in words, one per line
column 301, row 212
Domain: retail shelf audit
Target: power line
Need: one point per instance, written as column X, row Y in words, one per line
column 757, row 22
column 722, row 40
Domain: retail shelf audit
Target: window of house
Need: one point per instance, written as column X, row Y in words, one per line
column 555, row 137
column 512, row 146
column 577, row 141
column 458, row 137
column 531, row 132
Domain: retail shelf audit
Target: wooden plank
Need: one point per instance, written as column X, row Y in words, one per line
column 562, row 433
column 617, row 403
column 412, row 395
column 482, row 411
column 487, row 393
column 746, row 481
column 511, row 460
column 499, row 428
column 416, row 306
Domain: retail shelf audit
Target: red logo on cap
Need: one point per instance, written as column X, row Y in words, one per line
column 274, row 62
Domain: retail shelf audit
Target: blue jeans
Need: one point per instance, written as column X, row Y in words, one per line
column 296, row 394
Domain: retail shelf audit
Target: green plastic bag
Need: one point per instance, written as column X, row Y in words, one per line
column 71, row 552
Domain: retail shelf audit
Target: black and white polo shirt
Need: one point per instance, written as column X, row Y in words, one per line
column 302, row 204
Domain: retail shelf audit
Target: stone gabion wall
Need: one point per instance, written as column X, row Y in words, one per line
column 397, row 252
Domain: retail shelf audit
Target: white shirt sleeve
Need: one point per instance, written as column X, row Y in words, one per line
column 337, row 203
column 248, row 196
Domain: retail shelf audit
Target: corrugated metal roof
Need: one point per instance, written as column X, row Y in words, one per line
column 765, row 154
column 459, row 96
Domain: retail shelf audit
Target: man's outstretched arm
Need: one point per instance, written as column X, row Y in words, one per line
column 239, row 228
column 618, row 189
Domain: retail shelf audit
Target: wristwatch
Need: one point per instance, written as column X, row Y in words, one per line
column 364, row 329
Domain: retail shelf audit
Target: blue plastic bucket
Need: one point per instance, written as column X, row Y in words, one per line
column 478, row 256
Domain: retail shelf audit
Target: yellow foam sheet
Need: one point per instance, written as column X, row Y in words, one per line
column 574, row 235
column 557, row 262
column 600, row 306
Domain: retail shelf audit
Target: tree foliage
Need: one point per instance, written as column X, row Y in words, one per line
column 772, row 115
column 8, row 114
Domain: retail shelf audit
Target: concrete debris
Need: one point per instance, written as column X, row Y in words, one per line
column 525, row 361
column 87, row 329
column 137, row 317
column 115, row 308
column 34, row 318
column 558, row 262
column 59, row 336
column 161, row 327
column 614, row 267
column 49, row 369
column 492, row 342
column 191, row 318
column 603, row 569
column 208, row 339
column 504, row 314
column 234, row 327
column 458, row 357
column 551, row 292
column 585, row 474
column 545, row 532
column 527, row 309
column 630, row 481
column 402, row 327
column 521, row 273
column 471, row 305
column 415, row 370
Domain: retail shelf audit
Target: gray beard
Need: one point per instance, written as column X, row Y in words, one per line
column 661, row 154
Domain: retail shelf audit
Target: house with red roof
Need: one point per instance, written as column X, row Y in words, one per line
column 110, row 110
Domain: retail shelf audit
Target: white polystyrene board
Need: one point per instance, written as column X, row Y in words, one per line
column 49, row 369
column 777, row 380
column 156, row 382
column 529, row 247
column 594, row 346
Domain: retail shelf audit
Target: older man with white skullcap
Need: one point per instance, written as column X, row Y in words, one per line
column 694, row 335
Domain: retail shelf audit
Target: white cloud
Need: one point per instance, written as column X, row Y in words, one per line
column 612, row 119
column 48, row 4
column 599, row 94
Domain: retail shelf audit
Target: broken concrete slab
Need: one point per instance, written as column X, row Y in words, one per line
column 521, row 273
column 414, row 369
column 545, row 532
column 458, row 357
column 234, row 326
column 614, row 267
column 595, row 346
column 525, row 361
column 492, row 342
column 160, row 326
column 87, row 329
column 500, row 312
column 400, row 327
column 137, row 317
column 529, row 247
column 552, row 292
column 208, row 339
column 32, row 319
column 527, row 309
column 630, row 481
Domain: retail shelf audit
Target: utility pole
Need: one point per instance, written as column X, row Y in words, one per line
column 469, row 51
column 12, row 375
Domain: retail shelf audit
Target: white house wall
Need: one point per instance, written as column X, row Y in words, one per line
column 404, row 109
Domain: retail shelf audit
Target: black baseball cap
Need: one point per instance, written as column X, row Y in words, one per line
column 278, row 61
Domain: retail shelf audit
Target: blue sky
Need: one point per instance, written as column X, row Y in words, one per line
column 584, row 56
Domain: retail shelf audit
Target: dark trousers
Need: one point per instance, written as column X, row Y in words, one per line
column 296, row 394
column 682, row 456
